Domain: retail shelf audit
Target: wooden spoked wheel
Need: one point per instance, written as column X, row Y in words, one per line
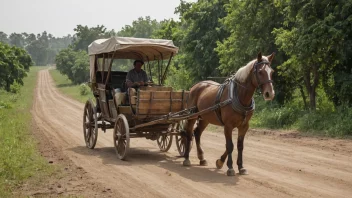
column 182, row 138
column 90, row 125
column 121, row 137
column 165, row 140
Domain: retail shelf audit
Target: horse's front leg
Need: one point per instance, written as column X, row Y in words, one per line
column 229, row 150
column 242, row 130
column 189, row 135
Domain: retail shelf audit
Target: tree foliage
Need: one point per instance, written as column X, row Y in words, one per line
column 140, row 28
column 73, row 64
column 41, row 47
column 316, row 36
column 14, row 63
column 84, row 36
column 251, row 24
column 201, row 36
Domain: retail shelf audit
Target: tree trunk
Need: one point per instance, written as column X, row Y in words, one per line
column 311, row 86
column 303, row 97
column 312, row 101
column 315, row 85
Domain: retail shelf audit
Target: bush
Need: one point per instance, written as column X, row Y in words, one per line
column 276, row 117
column 83, row 89
column 5, row 105
column 335, row 124
column 15, row 88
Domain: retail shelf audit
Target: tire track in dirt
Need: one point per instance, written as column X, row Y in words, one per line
column 277, row 167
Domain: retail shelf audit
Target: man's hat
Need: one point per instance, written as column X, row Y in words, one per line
column 136, row 61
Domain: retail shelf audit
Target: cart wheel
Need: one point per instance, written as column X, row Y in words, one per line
column 181, row 138
column 90, row 125
column 121, row 137
column 165, row 141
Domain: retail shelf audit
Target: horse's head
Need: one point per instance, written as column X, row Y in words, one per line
column 263, row 75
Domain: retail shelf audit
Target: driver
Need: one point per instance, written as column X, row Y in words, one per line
column 136, row 77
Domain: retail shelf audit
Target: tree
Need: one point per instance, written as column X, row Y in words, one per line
column 314, row 36
column 251, row 24
column 17, row 40
column 140, row 28
column 65, row 60
column 3, row 38
column 80, row 69
column 39, row 49
column 85, row 36
column 202, row 31
column 30, row 38
column 14, row 62
column 75, row 65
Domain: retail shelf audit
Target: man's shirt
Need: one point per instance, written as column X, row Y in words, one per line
column 135, row 76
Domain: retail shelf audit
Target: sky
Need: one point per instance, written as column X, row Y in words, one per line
column 60, row 17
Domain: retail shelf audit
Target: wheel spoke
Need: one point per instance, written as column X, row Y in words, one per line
column 164, row 143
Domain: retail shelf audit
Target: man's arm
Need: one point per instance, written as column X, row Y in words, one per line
column 129, row 82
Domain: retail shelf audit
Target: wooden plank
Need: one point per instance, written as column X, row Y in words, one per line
column 160, row 104
column 156, row 88
column 125, row 110
column 165, row 104
column 161, row 95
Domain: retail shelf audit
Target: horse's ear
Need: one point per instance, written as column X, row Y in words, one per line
column 271, row 57
column 259, row 58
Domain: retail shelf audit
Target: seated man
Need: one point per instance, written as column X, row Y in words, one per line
column 136, row 77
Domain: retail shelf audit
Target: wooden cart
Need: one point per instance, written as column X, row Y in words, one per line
column 155, row 112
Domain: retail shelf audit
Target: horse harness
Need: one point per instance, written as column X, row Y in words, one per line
column 233, row 100
column 233, row 96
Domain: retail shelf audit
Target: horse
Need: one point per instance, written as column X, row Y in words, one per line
column 236, row 106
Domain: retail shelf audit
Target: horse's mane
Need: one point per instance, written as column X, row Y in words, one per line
column 242, row 74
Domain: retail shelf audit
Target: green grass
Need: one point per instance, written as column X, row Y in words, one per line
column 19, row 159
column 66, row 86
column 322, row 122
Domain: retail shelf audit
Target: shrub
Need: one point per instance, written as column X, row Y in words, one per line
column 15, row 88
column 83, row 89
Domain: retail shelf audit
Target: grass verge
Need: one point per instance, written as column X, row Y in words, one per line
column 19, row 159
column 66, row 86
column 325, row 122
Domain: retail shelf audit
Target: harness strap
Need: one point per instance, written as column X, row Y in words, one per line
column 236, row 104
column 217, row 102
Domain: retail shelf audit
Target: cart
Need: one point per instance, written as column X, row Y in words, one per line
column 155, row 112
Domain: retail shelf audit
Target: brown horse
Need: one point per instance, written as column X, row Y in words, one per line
column 236, row 113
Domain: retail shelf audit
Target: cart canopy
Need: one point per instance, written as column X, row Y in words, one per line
column 134, row 48
column 129, row 48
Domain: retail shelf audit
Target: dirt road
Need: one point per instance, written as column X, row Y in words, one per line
column 279, row 164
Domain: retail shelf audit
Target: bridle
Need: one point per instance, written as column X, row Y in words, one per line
column 255, row 72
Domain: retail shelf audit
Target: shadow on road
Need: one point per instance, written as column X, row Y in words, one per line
column 138, row 157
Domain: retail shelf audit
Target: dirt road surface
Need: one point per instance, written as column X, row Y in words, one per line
column 280, row 164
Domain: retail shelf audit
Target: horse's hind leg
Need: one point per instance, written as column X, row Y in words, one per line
column 242, row 130
column 197, row 134
column 220, row 162
column 189, row 134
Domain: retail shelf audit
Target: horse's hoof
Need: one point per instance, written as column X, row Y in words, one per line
column 243, row 171
column 203, row 163
column 186, row 163
column 231, row 172
column 219, row 164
